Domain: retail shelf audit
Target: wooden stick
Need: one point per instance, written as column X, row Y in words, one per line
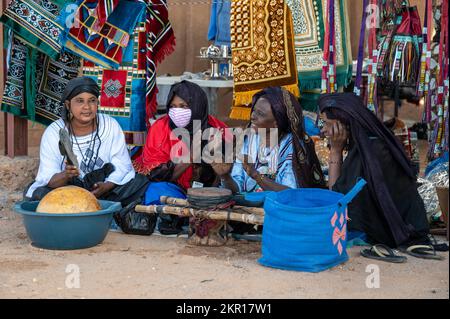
column 184, row 203
column 215, row 214
column 173, row 201
column 249, row 210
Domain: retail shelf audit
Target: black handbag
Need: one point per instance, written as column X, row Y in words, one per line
column 135, row 223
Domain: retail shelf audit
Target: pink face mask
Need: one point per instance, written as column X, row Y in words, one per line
column 180, row 117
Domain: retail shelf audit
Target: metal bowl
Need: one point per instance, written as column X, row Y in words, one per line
column 66, row 231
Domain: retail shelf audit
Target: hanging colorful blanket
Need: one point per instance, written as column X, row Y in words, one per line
column 35, row 82
column 51, row 77
column 362, row 36
column 12, row 100
column 123, row 90
column 35, row 21
column 129, row 93
column 104, row 9
column 439, row 138
column 309, row 29
column 100, row 43
column 262, row 50
column 329, row 58
column 160, row 43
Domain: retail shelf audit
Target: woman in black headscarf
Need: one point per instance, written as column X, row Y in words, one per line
column 86, row 149
column 187, row 108
column 291, row 163
column 172, row 173
column 390, row 210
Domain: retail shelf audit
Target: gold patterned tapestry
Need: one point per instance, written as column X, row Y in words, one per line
column 262, row 44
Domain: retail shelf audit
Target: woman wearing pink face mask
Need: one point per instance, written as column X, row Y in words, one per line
column 186, row 102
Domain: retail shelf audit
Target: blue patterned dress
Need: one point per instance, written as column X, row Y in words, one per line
column 274, row 163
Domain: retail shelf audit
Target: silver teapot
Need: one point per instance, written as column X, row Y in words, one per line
column 210, row 52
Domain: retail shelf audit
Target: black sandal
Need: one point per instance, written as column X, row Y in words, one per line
column 422, row 251
column 383, row 253
column 438, row 246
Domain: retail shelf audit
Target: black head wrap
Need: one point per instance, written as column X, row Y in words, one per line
column 195, row 98
column 349, row 109
column 289, row 117
column 77, row 86
column 80, row 85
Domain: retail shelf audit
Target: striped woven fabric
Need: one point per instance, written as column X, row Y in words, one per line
column 104, row 9
column 160, row 43
column 104, row 43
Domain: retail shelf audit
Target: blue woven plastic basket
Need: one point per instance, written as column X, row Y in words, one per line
column 66, row 231
column 305, row 229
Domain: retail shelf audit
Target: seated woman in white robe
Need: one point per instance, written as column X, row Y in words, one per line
column 98, row 143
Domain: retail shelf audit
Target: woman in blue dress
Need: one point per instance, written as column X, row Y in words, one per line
column 290, row 162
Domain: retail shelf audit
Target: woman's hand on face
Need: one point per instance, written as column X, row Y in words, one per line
column 337, row 135
column 222, row 169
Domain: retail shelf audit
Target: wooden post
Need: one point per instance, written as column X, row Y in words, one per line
column 16, row 136
column 15, row 128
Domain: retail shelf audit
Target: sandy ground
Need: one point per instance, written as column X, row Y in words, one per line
column 127, row 266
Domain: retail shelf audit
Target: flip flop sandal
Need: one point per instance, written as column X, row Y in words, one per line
column 383, row 253
column 438, row 246
column 422, row 251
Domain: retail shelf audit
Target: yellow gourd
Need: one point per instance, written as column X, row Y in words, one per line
column 68, row 200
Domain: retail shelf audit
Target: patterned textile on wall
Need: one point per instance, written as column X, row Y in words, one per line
column 35, row 82
column 262, row 43
column 104, row 43
column 50, row 80
column 123, row 90
column 129, row 90
column 12, row 100
column 35, row 21
column 129, row 93
column 309, row 29
column 104, row 9
column 160, row 43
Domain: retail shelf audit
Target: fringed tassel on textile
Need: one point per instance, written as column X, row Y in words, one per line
column 342, row 79
column 139, row 166
column 240, row 113
column 150, row 106
column 245, row 98
column 167, row 49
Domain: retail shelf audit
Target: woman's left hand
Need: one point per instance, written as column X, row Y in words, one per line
column 102, row 188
